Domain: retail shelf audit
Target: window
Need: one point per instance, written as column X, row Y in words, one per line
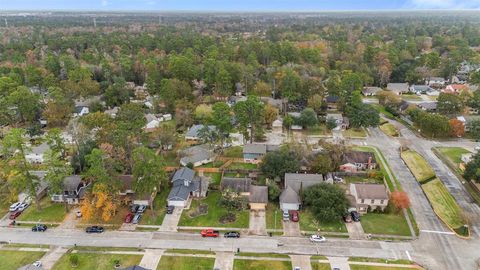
column 363, row 201
column 381, row 202
column 373, row 201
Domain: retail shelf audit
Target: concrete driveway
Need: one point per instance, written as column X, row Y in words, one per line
column 257, row 224
column 170, row 222
column 355, row 230
column 224, row 261
column 151, row 258
column 339, row 262
column 302, row 261
column 291, row 228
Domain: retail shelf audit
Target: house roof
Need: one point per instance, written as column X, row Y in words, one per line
column 332, row 99
column 371, row 191
column 196, row 154
column 126, row 182
column 358, row 157
column 193, row 132
column 183, row 174
column 150, row 117
column 428, row 105
column 71, row 182
column 436, row 79
column 236, row 184
column 289, row 196
column 398, row 87
column 181, row 192
column 302, row 180
column 40, row 149
column 257, row 148
column 258, row 194
column 371, row 90
column 78, row 109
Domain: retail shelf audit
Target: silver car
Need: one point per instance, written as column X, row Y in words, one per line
column 136, row 218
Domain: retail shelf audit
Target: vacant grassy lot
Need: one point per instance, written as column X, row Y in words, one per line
column 309, row 223
column 270, row 216
column 50, row 212
column 444, row 204
column 393, row 224
column 215, row 211
column 88, row 261
column 320, row 266
column 16, row 259
column 389, row 129
column 354, row 132
column 156, row 216
column 261, row 265
column 418, row 165
column 185, row 263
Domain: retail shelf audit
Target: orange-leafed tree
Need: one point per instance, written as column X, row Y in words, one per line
column 458, row 128
column 400, row 200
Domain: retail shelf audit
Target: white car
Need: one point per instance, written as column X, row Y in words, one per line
column 14, row 207
column 477, row 148
column 317, row 238
column 37, row 264
column 23, row 206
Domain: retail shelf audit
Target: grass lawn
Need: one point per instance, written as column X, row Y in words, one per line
column 270, row 216
column 185, row 263
column 265, row 255
column 88, row 261
column 261, row 265
column 354, row 132
column 189, row 251
column 159, row 206
column 389, row 129
column 50, row 212
column 369, row 267
column 170, row 158
column 318, row 130
column 444, row 204
column 16, row 259
column 234, row 174
column 215, row 178
column 381, row 109
column 309, row 223
column 418, row 165
column 242, row 166
column 214, row 164
column 358, row 179
column 378, row 260
column 393, row 224
column 320, row 266
column 233, row 152
column 454, row 154
column 215, row 211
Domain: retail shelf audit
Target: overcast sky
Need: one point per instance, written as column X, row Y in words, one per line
column 236, row 5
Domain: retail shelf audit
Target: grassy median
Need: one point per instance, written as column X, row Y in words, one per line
column 418, row 166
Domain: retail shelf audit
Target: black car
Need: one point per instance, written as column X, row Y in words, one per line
column 170, row 209
column 355, row 216
column 39, row 228
column 232, row 235
column 94, row 229
column 134, row 208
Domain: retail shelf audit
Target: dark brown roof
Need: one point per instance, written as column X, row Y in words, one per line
column 258, row 194
column 126, row 182
column 371, row 191
column 358, row 157
column 236, row 184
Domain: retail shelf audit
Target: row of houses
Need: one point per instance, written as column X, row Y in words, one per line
column 405, row 88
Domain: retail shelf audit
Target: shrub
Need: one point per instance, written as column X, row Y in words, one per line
column 73, row 258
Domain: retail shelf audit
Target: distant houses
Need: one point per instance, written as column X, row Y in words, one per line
column 254, row 153
column 398, row 88
column 355, row 161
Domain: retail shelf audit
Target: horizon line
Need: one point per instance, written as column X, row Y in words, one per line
column 234, row 11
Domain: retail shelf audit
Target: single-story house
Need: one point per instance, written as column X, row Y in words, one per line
column 277, row 126
column 185, row 185
column 398, row 88
column 193, row 134
column 332, row 102
column 73, row 190
column 421, row 89
column 303, row 180
column 41, row 189
column 371, row 196
column 127, row 192
column 355, row 161
column 371, row 91
column 342, row 122
column 81, row 111
column 435, row 81
column 258, row 197
column 237, row 184
column 289, row 199
column 254, row 152
column 36, row 155
column 455, row 89
column 153, row 122
column 197, row 155
column 428, row 106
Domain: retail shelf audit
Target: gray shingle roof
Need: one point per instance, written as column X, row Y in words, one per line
column 236, row 184
column 358, row 157
column 398, row 87
column 371, row 191
column 71, row 182
column 371, row 90
column 184, row 174
column 289, row 196
column 255, row 148
column 180, row 192
column 258, row 194
column 303, row 180
column 196, row 154
column 194, row 130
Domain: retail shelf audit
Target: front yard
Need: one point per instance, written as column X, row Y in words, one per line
column 391, row 224
column 355, row 133
column 88, row 261
column 318, row 130
column 194, row 217
column 453, row 156
column 320, row 266
column 233, row 152
column 185, row 263
column 159, row 207
column 50, row 212
column 270, row 216
column 13, row 259
column 418, row 166
column 309, row 223
column 261, row 265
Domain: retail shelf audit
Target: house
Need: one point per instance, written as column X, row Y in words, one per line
column 128, row 194
column 193, row 134
column 152, row 122
column 369, row 196
column 277, row 103
column 277, row 126
column 437, row 82
column 258, row 198
column 167, row 117
column 355, row 161
column 238, row 185
column 73, row 190
column 403, row 106
column 455, row 89
column 236, row 139
column 40, row 190
column 197, row 155
column 421, row 89
column 302, row 181
column 36, row 153
column 289, row 199
column 295, row 116
column 398, row 88
column 332, row 102
column 254, row 152
column 186, row 185
column 466, row 158
column 342, row 122
column 112, row 112
column 232, row 100
column 239, row 90
column 428, row 106
column 81, row 111
column 371, row 91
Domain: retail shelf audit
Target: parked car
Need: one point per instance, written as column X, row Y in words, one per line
column 297, row 268
column 337, row 179
column 14, row 215
column 134, row 208
column 210, row 233
column 14, row 207
column 23, row 206
column 128, row 218
column 317, row 238
column 286, row 216
column 78, row 214
column 136, row 218
column 355, row 216
column 170, row 209
column 232, row 235
column 294, row 216
column 37, row 264
column 347, row 218
column 141, row 208
column 39, row 228
column 94, row 229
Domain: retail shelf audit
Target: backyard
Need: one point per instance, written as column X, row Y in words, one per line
column 391, row 224
column 309, row 223
column 185, row 263
column 50, row 212
column 13, row 259
column 261, row 265
column 214, row 212
column 242, row 166
column 418, row 166
column 389, row 129
column 233, row 152
column 88, row 261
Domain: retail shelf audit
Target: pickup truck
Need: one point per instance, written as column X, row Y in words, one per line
column 209, row 233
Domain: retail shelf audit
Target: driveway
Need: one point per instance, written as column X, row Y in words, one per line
column 151, row 258
column 51, row 257
column 291, row 228
column 257, row 225
column 170, row 222
column 224, row 261
column 339, row 262
column 302, row 261
column 355, row 230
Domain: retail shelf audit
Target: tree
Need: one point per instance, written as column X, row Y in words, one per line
column 117, row 93
column 474, row 101
column 328, row 202
column 457, row 127
column 27, row 104
column 322, row 164
column 308, row 118
column 273, row 191
column 262, row 89
column 250, row 115
column 363, row 115
column 474, row 128
column 472, row 170
column 277, row 163
column 58, row 170
column 271, row 114
column 430, row 124
column 221, row 117
column 449, row 104
column 400, row 200
column 172, row 90
column 331, row 123
column 316, row 103
column 203, row 113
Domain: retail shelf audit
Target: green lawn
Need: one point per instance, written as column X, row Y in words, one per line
column 88, row 261
column 215, row 211
column 389, row 129
column 270, row 216
column 369, row 267
column 215, row 178
column 392, row 224
column 418, row 165
column 354, row 132
column 378, row 260
column 309, row 223
column 242, row 166
column 50, row 212
column 15, row 259
column 214, row 164
column 318, row 130
column 261, row 265
column 170, row 158
column 320, row 266
column 159, row 207
column 454, row 154
column 233, row 152
column 185, row 263
column 381, row 109
column 265, row 255
column 358, row 179
column 444, row 204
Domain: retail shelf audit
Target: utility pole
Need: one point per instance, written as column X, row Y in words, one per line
column 6, row 23
column 95, row 23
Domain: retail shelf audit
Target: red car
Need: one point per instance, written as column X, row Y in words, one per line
column 210, row 233
column 14, row 215
column 129, row 218
column 294, row 216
